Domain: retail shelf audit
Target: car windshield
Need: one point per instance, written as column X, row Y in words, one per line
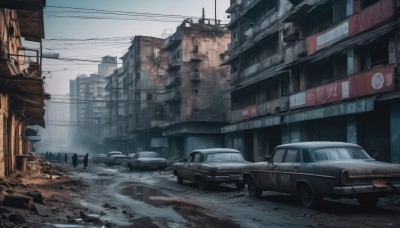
column 148, row 155
column 214, row 157
column 342, row 153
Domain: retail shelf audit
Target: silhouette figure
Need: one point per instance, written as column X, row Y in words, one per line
column 75, row 160
column 85, row 160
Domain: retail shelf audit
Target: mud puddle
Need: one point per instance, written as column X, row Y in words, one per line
column 194, row 214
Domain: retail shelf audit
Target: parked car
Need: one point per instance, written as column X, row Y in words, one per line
column 314, row 170
column 147, row 160
column 115, row 152
column 98, row 158
column 217, row 165
column 81, row 156
column 116, row 159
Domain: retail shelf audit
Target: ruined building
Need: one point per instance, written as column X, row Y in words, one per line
column 195, row 86
column 21, row 85
column 304, row 70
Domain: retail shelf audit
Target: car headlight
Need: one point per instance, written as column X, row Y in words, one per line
column 344, row 177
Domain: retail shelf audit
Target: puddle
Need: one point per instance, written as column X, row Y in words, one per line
column 102, row 182
column 190, row 211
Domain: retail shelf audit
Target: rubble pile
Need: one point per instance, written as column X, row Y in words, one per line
column 42, row 193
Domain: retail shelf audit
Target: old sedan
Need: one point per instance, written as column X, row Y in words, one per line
column 314, row 170
column 216, row 165
column 147, row 160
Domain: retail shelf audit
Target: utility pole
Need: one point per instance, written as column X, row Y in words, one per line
column 215, row 11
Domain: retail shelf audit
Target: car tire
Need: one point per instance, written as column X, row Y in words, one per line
column 253, row 189
column 240, row 185
column 201, row 184
column 368, row 201
column 307, row 197
column 179, row 179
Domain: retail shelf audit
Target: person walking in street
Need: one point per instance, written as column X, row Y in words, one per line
column 75, row 160
column 85, row 160
column 65, row 158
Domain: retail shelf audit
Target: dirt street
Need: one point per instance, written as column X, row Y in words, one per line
column 102, row 196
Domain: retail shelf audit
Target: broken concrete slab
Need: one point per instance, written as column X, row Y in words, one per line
column 37, row 196
column 18, row 201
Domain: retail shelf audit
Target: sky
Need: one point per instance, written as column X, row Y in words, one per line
column 83, row 31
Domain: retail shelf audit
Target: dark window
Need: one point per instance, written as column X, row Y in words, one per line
column 292, row 156
column 366, row 3
column 196, row 158
column 195, row 49
column 278, row 155
column 379, row 54
column 149, row 97
column 339, row 11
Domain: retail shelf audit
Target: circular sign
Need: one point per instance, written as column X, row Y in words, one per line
column 377, row 80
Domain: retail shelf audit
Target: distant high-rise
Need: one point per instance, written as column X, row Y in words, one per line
column 107, row 66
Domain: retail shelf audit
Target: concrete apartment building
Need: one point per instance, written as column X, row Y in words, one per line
column 195, row 84
column 304, row 70
column 171, row 92
column 21, row 83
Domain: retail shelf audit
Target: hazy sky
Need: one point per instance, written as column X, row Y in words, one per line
column 89, row 29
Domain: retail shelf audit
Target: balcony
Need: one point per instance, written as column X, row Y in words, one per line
column 173, row 81
column 195, row 77
column 234, row 4
column 195, row 56
column 174, row 64
column 174, row 96
column 173, row 40
column 356, row 24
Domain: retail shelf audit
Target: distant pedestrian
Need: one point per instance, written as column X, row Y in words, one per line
column 75, row 160
column 65, row 158
column 85, row 160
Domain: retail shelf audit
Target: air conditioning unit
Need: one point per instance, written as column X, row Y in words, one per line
column 290, row 34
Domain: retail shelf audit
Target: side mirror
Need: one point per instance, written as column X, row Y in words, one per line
column 267, row 158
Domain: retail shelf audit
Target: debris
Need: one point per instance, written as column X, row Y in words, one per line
column 40, row 210
column 37, row 196
column 18, row 201
column 16, row 218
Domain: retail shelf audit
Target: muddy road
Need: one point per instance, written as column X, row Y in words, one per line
column 124, row 198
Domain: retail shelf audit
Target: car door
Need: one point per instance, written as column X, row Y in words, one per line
column 194, row 166
column 288, row 170
column 185, row 169
column 269, row 175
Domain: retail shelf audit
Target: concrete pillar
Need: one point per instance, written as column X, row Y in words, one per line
column 350, row 62
column 395, row 131
column 349, row 8
column 351, row 129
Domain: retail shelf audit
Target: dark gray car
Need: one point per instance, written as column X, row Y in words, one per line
column 215, row 165
column 314, row 170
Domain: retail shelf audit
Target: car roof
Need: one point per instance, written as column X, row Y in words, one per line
column 219, row 150
column 118, row 156
column 318, row 144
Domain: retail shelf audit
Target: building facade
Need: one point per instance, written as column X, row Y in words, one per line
column 314, row 70
column 22, row 91
column 88, row 103
column 195, row 86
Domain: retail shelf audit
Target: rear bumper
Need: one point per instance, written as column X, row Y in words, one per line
column 393, row 189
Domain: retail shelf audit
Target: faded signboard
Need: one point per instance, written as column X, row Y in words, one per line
column 337, row 33
column 249, row 112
